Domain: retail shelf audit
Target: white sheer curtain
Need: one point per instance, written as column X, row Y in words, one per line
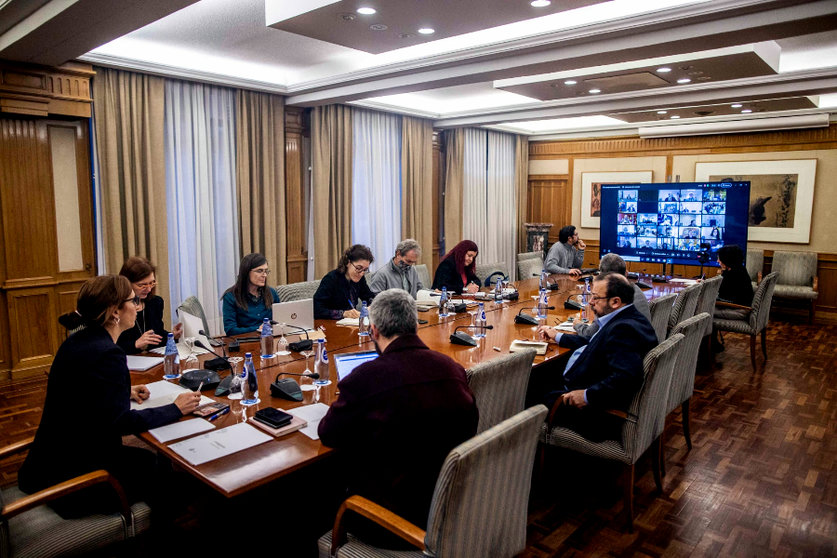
column 376, row 183
column 474, row 225
column 200, row 195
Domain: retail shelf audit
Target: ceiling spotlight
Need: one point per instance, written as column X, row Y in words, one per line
column 426, row 30
column 540, row 3
column 663, row 70
column 594, row 91
column 674, row 117
column 378, row 27
column 746, row 111
column 570, row 82
column 684, row 80
column 737, row 105
column 366, row 11
column 662, row 112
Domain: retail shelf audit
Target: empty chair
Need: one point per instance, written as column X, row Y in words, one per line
column 755, row 265
column 499, row 387
column 643, row 426
column 297, row 291
column 194, row 307
column 479, row 504
column 490, row 272
column 684, row 305
column 660, row 312
column 530, row 256
column 683, row 379
column 29, row 527
column 529, row 268
column 797, row 278
column 424, row 275
column 756, row 318
column 706, row 301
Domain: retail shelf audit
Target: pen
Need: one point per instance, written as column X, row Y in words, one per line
column 351, row 306
column 219, row 413
column 199, row 386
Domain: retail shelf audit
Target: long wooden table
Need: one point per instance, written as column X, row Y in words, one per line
column 248, row 469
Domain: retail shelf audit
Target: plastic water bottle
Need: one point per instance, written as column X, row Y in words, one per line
column 267, row 339
column 542, row 304
column 479, row 322
column 363, row 321
column 443, row 303
column 249, row 382
column 498, row 292
column 587, row 289
column 170, row 366
column 321, row 364
column 543, row 282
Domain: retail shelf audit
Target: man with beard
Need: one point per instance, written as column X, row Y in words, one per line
column 398, row 417
column 400, row 272
column 602, row 372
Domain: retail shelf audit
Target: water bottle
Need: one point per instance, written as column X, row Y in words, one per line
column 543, row 283
column 249, row 382
column 267, row 339
column 542, row 304
column 587, row 289
column 479, row 322
column 321, row 364
column 443, row 303
column 170, row 365
column 498, row 292
column 363, row 321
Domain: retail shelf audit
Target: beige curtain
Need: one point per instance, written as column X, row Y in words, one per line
column 331, row 147
column 260, row 174
column 454, row 166
column 128, row 111
column 521, row 183
column 417, row 184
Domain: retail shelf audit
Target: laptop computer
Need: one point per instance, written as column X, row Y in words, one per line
column 346, row 362
column 299, row 313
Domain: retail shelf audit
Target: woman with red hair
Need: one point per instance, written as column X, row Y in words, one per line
column 456, row 270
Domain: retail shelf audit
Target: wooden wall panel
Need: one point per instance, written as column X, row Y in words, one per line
column 39, row 91
column 550, row 201
column 32, row 318
column 438, row 180
column 295, row 209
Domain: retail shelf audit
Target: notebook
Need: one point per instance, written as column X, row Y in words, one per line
column 299, row 313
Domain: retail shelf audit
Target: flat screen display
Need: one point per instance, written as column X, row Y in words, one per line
column 674, row 223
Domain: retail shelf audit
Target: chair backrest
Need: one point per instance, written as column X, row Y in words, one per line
column 480, row 503
column 683, row 379
column 530, row 256
column 424, row 275
column 648, row 410
column 297, row 291
column 684, row 305
column 486, row 271
column 194, row 307
column 660, row 312
column 529, row 268
column 755, row 263
column 762, row 299
column 795, row 268
column 499, row 387
column 706, row 301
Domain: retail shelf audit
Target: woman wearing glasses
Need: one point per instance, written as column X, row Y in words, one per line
column 342, row 289
column 250, row 300
column 148, row 331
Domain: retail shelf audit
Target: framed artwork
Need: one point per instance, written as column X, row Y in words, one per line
column 781, row 195
column 591, row 191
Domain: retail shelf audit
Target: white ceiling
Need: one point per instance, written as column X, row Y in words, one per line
column 452, row 79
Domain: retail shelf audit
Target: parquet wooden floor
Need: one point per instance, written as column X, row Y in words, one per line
column 760, row 479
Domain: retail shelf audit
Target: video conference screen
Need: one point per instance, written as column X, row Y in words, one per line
column 675, row 222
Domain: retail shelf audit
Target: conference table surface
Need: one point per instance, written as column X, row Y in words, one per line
column 242, row 471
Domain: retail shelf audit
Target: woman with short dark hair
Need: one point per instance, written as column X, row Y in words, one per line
column 250, row 300
column 456, row 270
column 341, row 290
column 149, row 331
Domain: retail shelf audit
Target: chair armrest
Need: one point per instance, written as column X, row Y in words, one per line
column 759, row 277
column 733, row 305
column 17, row 447
column 621, row 414
column 816, row 283
column 390, row 521
column 67, row 487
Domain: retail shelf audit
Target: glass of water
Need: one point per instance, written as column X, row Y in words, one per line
column 306, row 383
column 235, row 381
column 283, row 343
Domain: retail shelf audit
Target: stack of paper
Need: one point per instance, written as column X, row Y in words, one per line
column 217, row 444
column 312, row 414
column 163, row 393
column 180, row 429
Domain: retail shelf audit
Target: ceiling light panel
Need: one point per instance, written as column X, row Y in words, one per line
column 719, row 109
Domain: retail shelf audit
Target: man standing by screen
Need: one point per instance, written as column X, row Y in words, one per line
column 566, row 255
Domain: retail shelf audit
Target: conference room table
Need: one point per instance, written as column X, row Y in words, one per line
column 243, row 471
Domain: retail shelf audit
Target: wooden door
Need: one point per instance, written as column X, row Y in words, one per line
column 550, row 201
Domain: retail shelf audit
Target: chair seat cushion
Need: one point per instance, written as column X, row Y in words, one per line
column 735, row 326
column 792, row 291
column 41, row 532
column 355, row 548
column 566, row 438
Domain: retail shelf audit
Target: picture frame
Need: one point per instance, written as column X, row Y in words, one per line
column 781, row 195
column 591, row 181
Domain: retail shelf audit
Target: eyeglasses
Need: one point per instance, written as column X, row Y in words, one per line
column 147, row 285
column 136, row 300
column 360, row 268
column 261, row 271
column 594, row 297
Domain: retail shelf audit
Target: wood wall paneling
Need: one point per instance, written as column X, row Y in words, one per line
column 438, row 180
column 295, row 209
column 550, row 201
column 32, row 317
column 40, row 91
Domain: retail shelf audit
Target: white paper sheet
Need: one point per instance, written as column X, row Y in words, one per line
column 312, row 414
column 217, row 444
column 163, row 393
column 142, row 363
column 181, row 429
column 565, row 326
column 354, row 322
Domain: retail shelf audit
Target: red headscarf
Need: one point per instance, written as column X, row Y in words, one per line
column 458, row 254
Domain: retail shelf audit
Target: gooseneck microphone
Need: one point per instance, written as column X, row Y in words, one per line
column 302, row 344
column 572, row 304
column 213, row 340
column 312, row 375
column 522, row 318
column 220, row 363
column 302, row 329
column 462, row 338
column 472, row 327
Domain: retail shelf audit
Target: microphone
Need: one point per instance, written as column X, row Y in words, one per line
column 287, row 388
column 472, row 327
column 522, row 318
column 302, row 344
column 212, row 340
column 572, row 304
column 220, row 363
column 312, row 375
column 302, row 329
column 461, row 338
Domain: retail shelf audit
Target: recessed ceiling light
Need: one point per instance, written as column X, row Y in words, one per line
column 737, row 105
column 378, row 27
column 684, row 80
column 745, row 111
column 662, row 112
column 570, row 82
column 594, row 91
column 426, row 30
column 674, row 117
column 366, row 11
column 663, row 70
column 540, row 3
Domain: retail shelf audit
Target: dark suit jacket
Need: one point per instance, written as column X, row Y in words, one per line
column 447, row 276
column 396, row 420
column 335, row 292
column 151, row 317
column 610, row 368
column 86, row 412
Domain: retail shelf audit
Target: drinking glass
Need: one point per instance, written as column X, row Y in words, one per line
column 306, row 383
column 235, row 382
column 283, row 343
column 191, row 358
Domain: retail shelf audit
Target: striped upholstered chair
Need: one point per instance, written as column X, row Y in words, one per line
column 479, row 505
column 530, row 256
column 297, row 291
column 797, row 278
column 643, row 426
column 755, row 320
column 660, row 312
column 527, row 269
column 755, row 265
column 194, row 307
column 684, row 305
column 706, row 301
column 490, row 271
column 29, row 527
column 683, row 379
column 424, row 276
column 499, row 386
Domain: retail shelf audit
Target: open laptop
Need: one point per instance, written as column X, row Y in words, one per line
column 299, row 313
column 346, row 362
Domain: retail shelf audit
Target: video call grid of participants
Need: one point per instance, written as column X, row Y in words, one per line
column 684, row 220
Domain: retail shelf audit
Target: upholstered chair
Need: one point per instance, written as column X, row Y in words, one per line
column 683, row 379
column 797, row 278
column 684, row 305
column 499, row 386
column 297, row 291
column 755, row 319
column 490, row 271
column 660, row 311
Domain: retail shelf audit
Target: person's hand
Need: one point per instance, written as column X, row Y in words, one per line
column 574, row 398
column 177, row 330
column 148, row 338
column 472, row 288
column 547, row 333
column 580, row 244
column 575, row 272
column 188, row 401
column 353, row 313
column 139, row 393
column 260, row 327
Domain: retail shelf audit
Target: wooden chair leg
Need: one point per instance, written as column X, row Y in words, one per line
column 656, row 462
column 628, row 487
column 764, row 342
column 753, row 350
column 686, row 434
column 811, row 313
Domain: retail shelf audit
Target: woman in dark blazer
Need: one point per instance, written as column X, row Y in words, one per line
column 342, row 289
column 149, row 331
column 87, row 409
column 456, row 270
